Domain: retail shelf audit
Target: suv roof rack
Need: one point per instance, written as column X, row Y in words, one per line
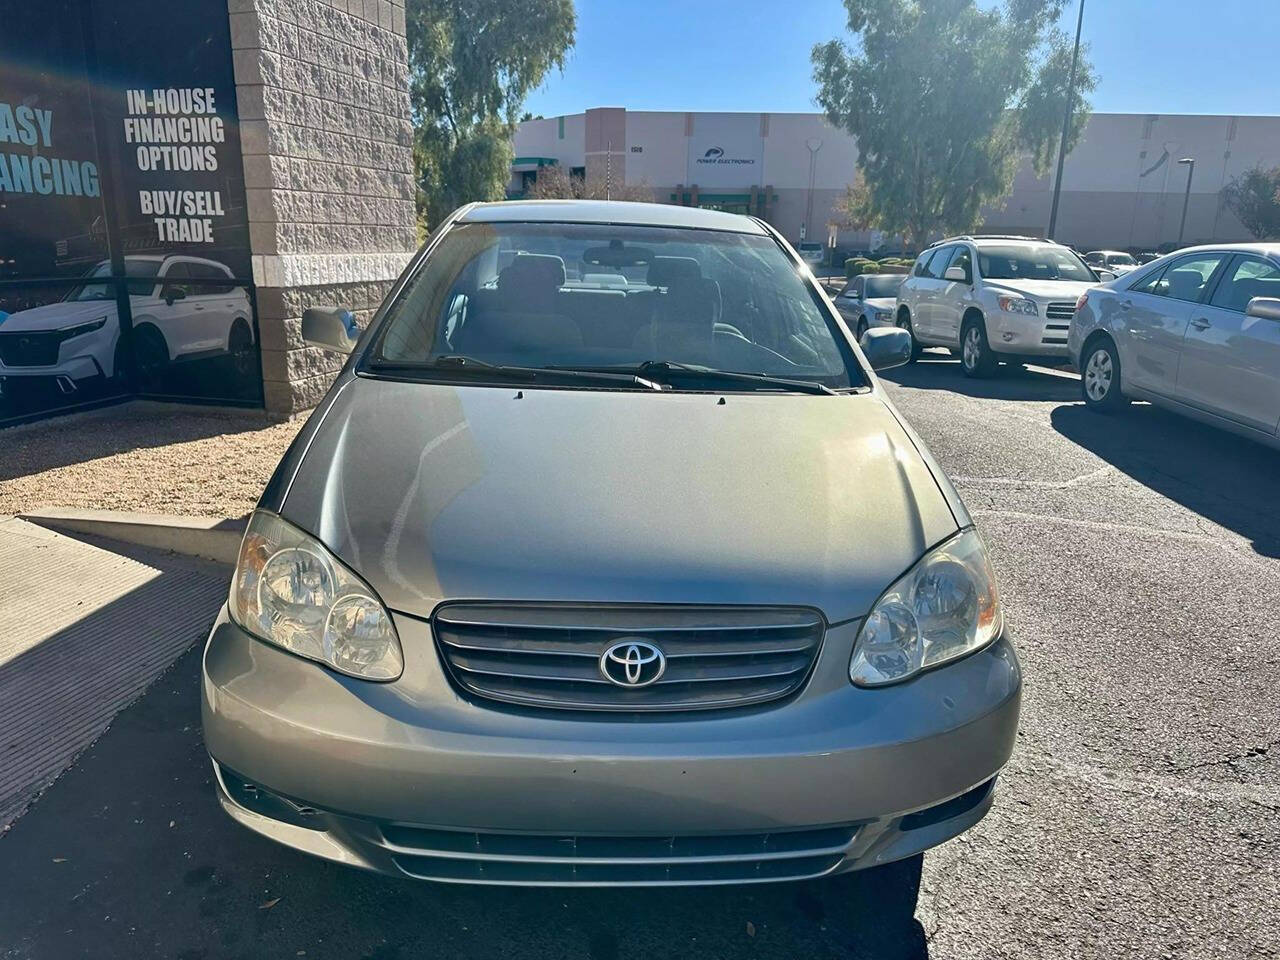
column 991, row 236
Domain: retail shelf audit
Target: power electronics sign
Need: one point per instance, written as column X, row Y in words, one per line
column 726, row 151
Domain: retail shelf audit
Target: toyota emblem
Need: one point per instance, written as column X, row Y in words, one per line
column 632, row 663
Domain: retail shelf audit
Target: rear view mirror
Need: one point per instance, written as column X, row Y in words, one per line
column 617, row 254
column 886, row 347
column 330, row 328
column 956, row 274
column 1268, row 308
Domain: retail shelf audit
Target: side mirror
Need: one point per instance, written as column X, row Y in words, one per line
column 1105, row 275
column 886, row 347
column 330, row 328
column 956, row 274
column 170, row 294
column 1268, row 308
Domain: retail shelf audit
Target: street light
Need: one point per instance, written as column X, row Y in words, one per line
column 1186, row 198
column 1066, row 127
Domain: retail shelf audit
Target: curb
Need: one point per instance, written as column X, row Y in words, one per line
column 206, row 537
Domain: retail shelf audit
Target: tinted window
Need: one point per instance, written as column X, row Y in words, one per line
column 1247, row 278
column 1149, row 283
column 213, row 278
column 854, row 289
column 938, row 262
column 964, row 261
column 883, row 286
column 1028, row 262
column 724, row 300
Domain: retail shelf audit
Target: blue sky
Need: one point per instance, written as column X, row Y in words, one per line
column 1153, row 56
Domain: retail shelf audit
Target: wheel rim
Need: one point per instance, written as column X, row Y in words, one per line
column 1098, row 373
column 241, row 352
column 972, row 348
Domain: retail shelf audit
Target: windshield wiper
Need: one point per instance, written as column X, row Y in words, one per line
column 667, row 368
column 453, row 363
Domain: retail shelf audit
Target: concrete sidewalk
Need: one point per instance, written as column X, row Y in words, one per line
column 84, row 628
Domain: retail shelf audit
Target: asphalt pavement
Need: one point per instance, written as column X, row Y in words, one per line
column 1139, row 558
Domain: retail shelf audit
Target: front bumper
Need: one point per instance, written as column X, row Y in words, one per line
column 1028, row 336
column 411, row 778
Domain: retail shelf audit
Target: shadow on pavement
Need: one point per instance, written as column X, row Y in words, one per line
column 1224, row 478
column 936, row 370
column 130, row 855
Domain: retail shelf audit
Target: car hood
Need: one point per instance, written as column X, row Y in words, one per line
column 1043, row 289
column 882, row 303
column 55, row 316
column 434, row 492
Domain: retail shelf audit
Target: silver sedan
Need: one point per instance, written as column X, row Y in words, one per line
column 1197, row 331
column 599, row 566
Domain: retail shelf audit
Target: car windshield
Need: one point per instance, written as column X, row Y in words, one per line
column 1121, row 260
column 886, row 286
column 143, row 271
column 1045, row 262
column 551, row 296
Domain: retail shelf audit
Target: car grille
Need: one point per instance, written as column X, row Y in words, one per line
column 501, row 858
column 38, row 349
column 1058, row 321
column 549, row 655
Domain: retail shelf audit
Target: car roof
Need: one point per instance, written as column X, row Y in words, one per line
column 609, row 211
column 1262, row 249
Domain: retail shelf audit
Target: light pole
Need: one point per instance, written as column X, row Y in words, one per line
column 1066, row 126
column 814, row 144
column 1186, row 197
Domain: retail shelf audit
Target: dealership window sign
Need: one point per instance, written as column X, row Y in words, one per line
column 32, row 171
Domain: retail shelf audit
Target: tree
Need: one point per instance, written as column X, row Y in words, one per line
column 1254, row 197
column 944, row 98
column 472, row 63
column 554, row 183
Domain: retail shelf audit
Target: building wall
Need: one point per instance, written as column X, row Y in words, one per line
column 1106, row 200
column 327, row 146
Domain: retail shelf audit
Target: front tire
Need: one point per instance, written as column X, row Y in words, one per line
column 904, row 322
column 977, row 359
column 1100, row 377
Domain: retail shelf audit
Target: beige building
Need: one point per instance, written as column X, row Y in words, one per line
column 1122, row 186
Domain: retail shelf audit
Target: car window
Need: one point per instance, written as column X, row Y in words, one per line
column 964, row 261
column 938, row 262
column 1150, row 283
column 213, row 279
column 1032, row 262
column 1121, row 260
column 1093, row 259
column 854, row 289
column 883, row 286
column 518, row 294
column 1247, row 278
column 1185, row 279
column 923, row 265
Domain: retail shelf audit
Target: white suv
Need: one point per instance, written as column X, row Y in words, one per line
column 992, row 299
column 184, row 308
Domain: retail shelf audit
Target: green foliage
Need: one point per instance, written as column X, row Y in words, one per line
column 1254, row 197
column 859, row 265
column 555, row 183
column 943, row 97
column 472, row 63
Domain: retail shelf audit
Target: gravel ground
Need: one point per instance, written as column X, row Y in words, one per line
column 1139, row 557
column 143, row 457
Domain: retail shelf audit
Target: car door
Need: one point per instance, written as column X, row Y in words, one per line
column 209, row 299
column 174, row 313
column 1156, row 309
column 1231, row 361
column 850, row 300
column 953, row 298
column 932, row 286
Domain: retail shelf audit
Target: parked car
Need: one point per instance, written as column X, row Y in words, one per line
column 565, row 585
column 1197, row 331
column 993, row 299
column 1115, row 261
column 869, row 300
column 184, row 308
column 812, row 253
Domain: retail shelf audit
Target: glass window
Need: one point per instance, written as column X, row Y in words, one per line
column 1248, row 277
column 1150, row 283
column 884, row 285
column 938, row 262
column 964, row 261
column 1032, row 262
column 1186, row 278
column 854, row 290
column 727, row 301
column 213, row 278
column 1121, row 260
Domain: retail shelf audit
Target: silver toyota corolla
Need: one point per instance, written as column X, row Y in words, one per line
column 606, row 561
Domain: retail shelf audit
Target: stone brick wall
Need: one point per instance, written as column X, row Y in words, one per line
column 322, row 87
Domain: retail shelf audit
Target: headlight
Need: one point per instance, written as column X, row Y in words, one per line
column 68, row 332
column 944, row 607
column 289, row 590
column 1017, row 305
column 884, row 315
